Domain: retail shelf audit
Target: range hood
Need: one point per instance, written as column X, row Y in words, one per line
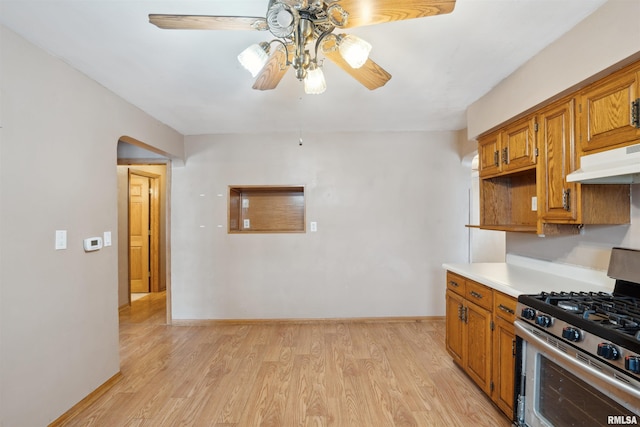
column 617, row 166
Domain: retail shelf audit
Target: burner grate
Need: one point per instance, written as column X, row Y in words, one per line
column 614, row 312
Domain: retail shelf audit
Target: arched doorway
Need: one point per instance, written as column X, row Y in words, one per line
column 136, row 159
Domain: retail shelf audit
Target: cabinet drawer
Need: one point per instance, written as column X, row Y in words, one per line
column 456, row 283
column 504, row 307
column 479, row 295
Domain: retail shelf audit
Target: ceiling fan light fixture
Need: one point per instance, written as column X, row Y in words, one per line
column 314, row 83
column 254, row 57
column 354, row 50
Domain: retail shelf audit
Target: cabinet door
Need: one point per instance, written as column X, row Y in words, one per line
column 478, row 336
column 455, row 327
column 606, row 112
column 489, row 157
column 519, row 145
column 558, row 198
column 504, row 366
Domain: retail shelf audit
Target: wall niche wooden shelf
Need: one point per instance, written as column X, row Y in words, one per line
column 266, row 209
column 507, row 201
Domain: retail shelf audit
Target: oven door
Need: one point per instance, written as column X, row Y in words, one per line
column 561, row 385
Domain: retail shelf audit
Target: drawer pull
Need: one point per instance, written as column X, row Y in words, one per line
column 454, row 284
column 506, row 309
column 476, row 295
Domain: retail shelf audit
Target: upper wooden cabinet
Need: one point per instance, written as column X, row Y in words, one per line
column 524, row 165
column 490, row 161
column 557, row 197
column 519, row 145
column 510, row 149
column 608, row 111
column 562, row 202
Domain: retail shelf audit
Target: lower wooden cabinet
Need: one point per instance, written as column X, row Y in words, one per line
column 480, row 337
column 504, row 352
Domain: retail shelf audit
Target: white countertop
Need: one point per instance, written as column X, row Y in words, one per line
column 521, row 275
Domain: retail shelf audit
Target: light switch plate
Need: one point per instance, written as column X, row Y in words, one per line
column 246, row 223
column 61, row 239
column 534, row 203
column 314, row 226
column 106, row 239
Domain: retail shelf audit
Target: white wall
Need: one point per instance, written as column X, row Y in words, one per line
column 608, row 36
column 590, row 249
column 390, row 208
column 58, row 309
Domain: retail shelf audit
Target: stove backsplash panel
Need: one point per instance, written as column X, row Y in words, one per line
column 625, row 265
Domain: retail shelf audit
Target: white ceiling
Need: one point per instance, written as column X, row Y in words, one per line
column 191, row 80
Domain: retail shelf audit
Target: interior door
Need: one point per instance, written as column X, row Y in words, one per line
column 139, row 266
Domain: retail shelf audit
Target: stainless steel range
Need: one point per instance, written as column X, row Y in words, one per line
column 579, row 353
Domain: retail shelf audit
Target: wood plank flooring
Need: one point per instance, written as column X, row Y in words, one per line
column 285, row 374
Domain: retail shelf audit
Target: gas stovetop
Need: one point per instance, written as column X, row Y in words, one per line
column 595, row 311
column 606, row 326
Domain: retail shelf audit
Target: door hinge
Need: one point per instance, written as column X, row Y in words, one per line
column 491, row 386
column 535, row 127
column 492, row 325
column 536, row 152
column 635, row 113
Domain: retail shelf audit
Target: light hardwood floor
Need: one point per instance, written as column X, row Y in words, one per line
column 361, row 374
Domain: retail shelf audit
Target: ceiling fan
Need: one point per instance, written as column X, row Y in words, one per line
column 305, row 26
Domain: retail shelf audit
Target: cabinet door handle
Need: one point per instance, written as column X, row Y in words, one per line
column 506, row 309
column 505, row 155
column 635, row 113
column 454, row 284
column 476, row 295
column 466, row 314
column 566, row 199
column 496, row 158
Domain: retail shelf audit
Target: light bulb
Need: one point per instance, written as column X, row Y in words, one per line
column 254, row 57
column 354, row 50
column 314, row 83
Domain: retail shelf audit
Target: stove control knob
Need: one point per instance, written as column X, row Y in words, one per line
column 632, row 363
column 571, row 334
column 544, row 321
column 528, row 313
column 608, row 351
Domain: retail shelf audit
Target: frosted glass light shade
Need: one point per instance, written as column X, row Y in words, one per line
column 254, row 57
column 354, row 50
column 314, row 83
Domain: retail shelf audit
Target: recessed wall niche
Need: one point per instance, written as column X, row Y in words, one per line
column 266, row 209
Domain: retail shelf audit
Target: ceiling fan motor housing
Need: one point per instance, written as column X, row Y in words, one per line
column 281, row 19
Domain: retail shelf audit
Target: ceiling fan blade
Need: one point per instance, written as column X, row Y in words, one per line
column 370, row 75
column 380, row 11
column 273, row 71
column 207, row 22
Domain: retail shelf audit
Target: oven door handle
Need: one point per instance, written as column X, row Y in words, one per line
column 571, row 363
